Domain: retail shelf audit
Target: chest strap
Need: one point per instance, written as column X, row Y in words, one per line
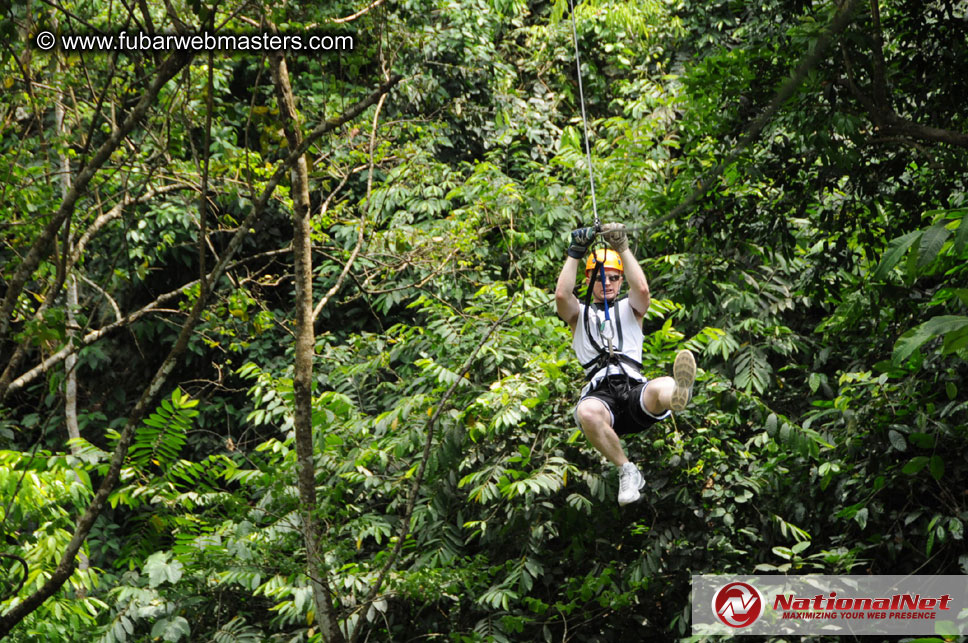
column 603, row 359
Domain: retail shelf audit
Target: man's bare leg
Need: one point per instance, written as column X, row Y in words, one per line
column 596, row 422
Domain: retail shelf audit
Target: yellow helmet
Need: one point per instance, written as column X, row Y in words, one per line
column 610, row 258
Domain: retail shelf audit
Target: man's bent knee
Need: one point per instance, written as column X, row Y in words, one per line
column 592, row 414
column 656, row 393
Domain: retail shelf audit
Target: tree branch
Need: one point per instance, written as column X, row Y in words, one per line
column 41, row 246
column 96, row 335
column 373, row 5
column 115, row 213
column 879, row 76
column 359, row 236
column 894, row 124
column 304, row 352
column 889, row 123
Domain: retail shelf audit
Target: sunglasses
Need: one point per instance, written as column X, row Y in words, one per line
column 613, row 278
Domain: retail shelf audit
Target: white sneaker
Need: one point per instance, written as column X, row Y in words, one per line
column 629, row 483
column 684, row 373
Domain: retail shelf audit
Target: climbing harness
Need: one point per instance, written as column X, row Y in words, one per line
column 610, row 331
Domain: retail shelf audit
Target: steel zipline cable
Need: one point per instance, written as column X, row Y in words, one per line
column 605, row 328
column 584, row 117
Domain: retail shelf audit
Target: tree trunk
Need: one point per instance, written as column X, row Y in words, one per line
column 303, row 364
column 70, row 364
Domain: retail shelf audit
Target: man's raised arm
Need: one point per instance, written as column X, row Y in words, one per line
column 565, row 301
column 639, row 295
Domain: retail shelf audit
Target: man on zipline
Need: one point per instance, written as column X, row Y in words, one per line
column 618, row 400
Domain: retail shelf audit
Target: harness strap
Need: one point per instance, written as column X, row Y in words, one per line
column 601, row 274
column 604, row 359
column 610, row 356
column 587, row 325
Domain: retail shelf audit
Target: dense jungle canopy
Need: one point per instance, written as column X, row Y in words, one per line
column 277, row 335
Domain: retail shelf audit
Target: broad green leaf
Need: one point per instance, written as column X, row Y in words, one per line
column 813, row 381
column 955, row 341
column 171, row 629
column 931, row 242
column 771, row 424
column 922, row 440
column 961, row 237
column 897, row 440
column 786, row 433
column 915, row 464
column 783, row 552
column 159, row 570
column 919, row 335
column 895, row 250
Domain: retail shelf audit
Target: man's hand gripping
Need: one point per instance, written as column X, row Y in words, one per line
column 581, row 238
column 616, row 236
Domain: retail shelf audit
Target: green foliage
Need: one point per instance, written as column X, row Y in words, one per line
column 954, row 329
column 820, row 281
column 42, row 492
column 163, row 433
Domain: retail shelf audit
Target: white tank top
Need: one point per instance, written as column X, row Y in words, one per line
column 627, row 339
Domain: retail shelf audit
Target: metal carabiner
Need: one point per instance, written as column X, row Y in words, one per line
column 606, row 331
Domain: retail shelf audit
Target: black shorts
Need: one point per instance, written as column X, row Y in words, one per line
column 628, row 414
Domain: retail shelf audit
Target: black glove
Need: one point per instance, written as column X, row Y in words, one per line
column 616, row 236
column 580, row 240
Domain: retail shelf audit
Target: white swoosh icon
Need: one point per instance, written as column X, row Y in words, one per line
column 737, row 606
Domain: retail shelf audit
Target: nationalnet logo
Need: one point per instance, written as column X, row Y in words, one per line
column 738, row 604
column 829, row 605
